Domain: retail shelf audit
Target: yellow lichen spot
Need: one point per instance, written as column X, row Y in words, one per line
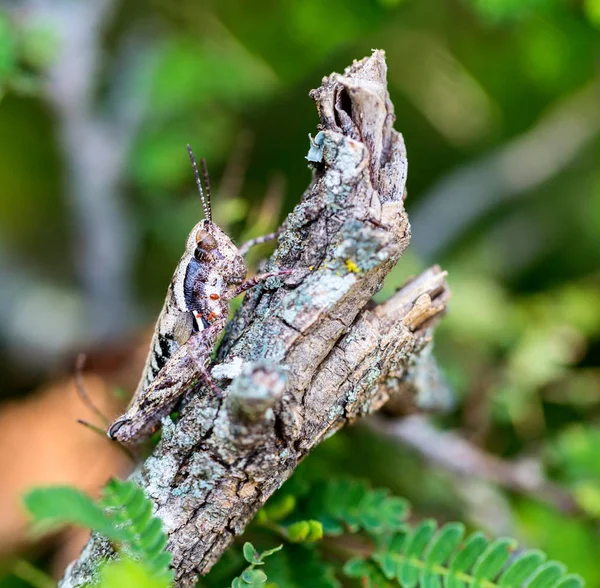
column 311, row 267
column 352, row 267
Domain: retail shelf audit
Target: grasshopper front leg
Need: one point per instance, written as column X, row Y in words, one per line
column 244, row 248
column 251, row 282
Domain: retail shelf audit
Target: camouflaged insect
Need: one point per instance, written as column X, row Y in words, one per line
column 210, row 273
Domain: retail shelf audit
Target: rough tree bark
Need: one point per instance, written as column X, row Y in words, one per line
column 305, row 358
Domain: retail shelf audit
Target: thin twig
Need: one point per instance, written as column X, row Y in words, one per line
column 512, row 170
column 447, row 449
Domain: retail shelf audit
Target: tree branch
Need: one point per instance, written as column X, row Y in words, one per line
column 305, row 358
column 448, row 450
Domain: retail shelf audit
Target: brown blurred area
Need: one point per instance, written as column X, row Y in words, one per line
column 43, row 444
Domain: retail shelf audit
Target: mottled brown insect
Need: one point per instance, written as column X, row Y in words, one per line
column 210, row 273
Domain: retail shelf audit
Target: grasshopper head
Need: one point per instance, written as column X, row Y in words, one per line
column 210, row 245
column 207, row 243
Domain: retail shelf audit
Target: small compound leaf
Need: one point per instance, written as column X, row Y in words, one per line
column 388, row 562
column 492, row 560
column 521, row 569
column 408, row 572
column 161, row 563
column 429, row 579
column 465, row 558
column 570, row 581
column 547, row 575
column 444, row 544
column 119, row 493
column 151, row 536
column 356, row 568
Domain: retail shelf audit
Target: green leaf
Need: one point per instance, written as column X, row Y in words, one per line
column 570, row 581
column 521, row 569
column 143, row 534
column 152, row 538
column 269, row 552
column 254, row 577
column 347, row 505
column 492, row 559
column 368, row 573
column 465, row 559
column 251, row 576
column 429, row 579
column 250, row 554
column 388, row 562
column 299, row 566
column 315, row 531
column 281, row 508
column 343, row 500
column 298, row 532
column 369, row 510
column 127, row 572
column 444, row 544
column 547, row 575
column 408, row 572
column 356, row 568
column 438, row 551
column 591, row 9
column 8, row 49
column 65, row 505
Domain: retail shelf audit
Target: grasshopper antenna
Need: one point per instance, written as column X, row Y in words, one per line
column 205, row 201
column 80, row 387
column 83, row 395
column 207, row 185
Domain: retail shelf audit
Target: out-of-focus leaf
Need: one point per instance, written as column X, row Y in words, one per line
column 127, row 572
column 8, row 49
column 38, row 46
column 591, row 9
column 64, row 504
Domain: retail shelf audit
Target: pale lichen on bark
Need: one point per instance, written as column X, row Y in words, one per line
column 310, row 355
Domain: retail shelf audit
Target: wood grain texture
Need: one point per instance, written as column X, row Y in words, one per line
column 306, row 354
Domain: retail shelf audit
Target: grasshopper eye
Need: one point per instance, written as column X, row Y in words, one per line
column 205, row 240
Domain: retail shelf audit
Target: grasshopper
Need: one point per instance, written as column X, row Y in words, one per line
column 211, row 272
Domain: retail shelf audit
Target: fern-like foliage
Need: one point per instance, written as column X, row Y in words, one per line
column 315, row 522
column 340, row 506
column 343, row 527
column 123, row 515
column 430, row 558
column 131, row 512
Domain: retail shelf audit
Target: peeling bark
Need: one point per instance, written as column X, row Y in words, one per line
column 306, row 357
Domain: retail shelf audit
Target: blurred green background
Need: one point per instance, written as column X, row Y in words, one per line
column 499, row 105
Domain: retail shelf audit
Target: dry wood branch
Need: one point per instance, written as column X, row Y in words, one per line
column 305, row 358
